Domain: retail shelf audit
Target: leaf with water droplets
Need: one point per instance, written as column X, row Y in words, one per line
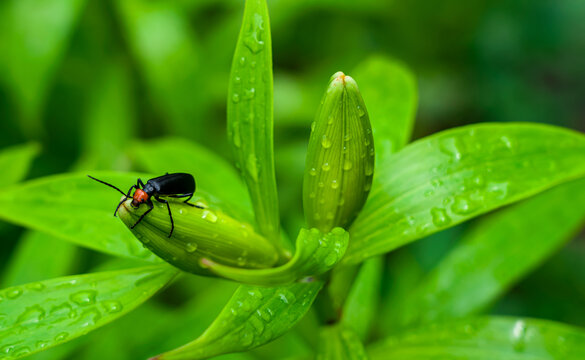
column 494, row 255
column 254, row 316
column 74, row 208
column 315, row 254
column 212, row 173
column 15, row 162
column 390, row 92
column 485, row 338
column 38, row 316
column 340, row 343
column 250, row 118
column 453, row 176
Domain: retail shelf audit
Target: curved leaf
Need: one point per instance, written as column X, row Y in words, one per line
column 453, row 176
column 361, row 304
column 211, row 172
column 254, row 316
column 33, row 38
column 339, row 343
column 40, row 315
column 167, row 52
column 15, row 162
column 390, row 92
column 75, row 208
column 486, row 339
column 493, row 256
column 250, row 117
column 315, row 254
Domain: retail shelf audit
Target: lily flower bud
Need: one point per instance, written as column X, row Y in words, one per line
column 340, row 157
column 198, row 233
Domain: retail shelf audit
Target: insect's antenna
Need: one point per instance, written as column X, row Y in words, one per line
column 105, row 183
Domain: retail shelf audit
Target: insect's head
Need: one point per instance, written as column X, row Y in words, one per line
column 140, row 197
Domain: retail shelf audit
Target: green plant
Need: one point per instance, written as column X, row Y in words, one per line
column 416, row 190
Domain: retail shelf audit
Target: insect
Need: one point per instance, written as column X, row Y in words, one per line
column 178, row 185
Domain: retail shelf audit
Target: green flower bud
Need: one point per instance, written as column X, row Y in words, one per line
column 198, row 233
column 340, row 158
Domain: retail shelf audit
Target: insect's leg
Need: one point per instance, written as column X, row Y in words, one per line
column 150, row 207
column 170, row 215
column 188, row 196
column 139, row 184
column 126, row 198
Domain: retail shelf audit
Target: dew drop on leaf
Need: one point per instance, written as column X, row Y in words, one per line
column 84, row 298
column 440, row 217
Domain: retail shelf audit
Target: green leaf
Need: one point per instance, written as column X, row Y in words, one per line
column 15, row 162
column 390, row 92
column 252, row 317
column 361, row 305
column 110, row 122
column 29, row 261
column 167, row 52
column 339, row 343
column 315, row 254
column 495, row 254
column 453, row 176
column 33, row 39
column 40, row 315
column 486, row 339
column 250, row 117
column 211, row 172
column 75, row 208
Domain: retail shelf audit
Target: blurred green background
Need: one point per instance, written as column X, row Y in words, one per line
column 85, row 79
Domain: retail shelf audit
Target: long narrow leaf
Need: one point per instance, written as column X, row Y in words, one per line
column 37, row 316
column 339, row 343
column 15, row 162
column 250, row 116
column 498, row 252
column 486, row 338
column 390, row 92
column 453, row 176
column 252, row 317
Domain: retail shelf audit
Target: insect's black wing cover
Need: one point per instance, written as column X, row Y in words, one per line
column 174, row 184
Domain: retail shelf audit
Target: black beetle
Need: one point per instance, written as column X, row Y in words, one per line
column 178, row 185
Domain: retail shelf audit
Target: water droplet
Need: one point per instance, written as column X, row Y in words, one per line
column 236, row 98
column 209, row 216
column 462, row 206
column 84, row 298
column 326, row 167
column 37, row 286
column 508, row 142
column 330, row 120
column 236, row 135
column 325, row 142
column 450, row 146
column 32, row 314
column 334, row 184
column 312, row 126
column 369, row 169
column 112, row 306
column 13, row 293
column 21, row 352
column 61, row 336
column 255, row 293
column 368, row 186
column 361, row 111
column 440, row 217
column 190, row 247
column 89, row 317
column 518, row 336
column 242, row 60
column 237, row 80
column 253, row 166
column 246, row 338
column 347, row 165
column 330, row 259
column 249, row 93
column 266, row 314
column 313, row 172
column 41, row 344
